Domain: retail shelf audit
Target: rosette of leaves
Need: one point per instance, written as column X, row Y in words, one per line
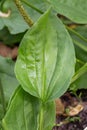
column 44, row 68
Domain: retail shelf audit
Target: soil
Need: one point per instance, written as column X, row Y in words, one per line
column 77, row 119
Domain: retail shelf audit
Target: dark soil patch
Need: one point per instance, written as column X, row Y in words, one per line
column 76, row 122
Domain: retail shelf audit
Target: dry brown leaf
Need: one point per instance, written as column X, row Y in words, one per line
column 75, row 110
column 59, row 107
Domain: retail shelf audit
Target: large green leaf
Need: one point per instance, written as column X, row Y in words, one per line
column 72, row 9
column 23, row 113
column 46, row 59
column 15, row 21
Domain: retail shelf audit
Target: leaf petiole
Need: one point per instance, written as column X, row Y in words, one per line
column 41, row 117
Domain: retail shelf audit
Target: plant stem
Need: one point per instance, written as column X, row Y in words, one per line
column 83, row 47
column 2, row 98
column 76, row 33
column 33, row 7
column 79, row 73
column 26, row 17
column 41, row 117
column 79, row 61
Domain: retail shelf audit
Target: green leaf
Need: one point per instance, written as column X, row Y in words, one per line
column 80, row 72
column 7, row 77
column 10, row 39
column 82, row 30
column 1, row 113
column 46, row 59
column 23, row 113
column 72, row 9
column 1, row 24
column 8, row 83
column 15, row 22
column 40, row 5
column 80, row 41
column 79, row 81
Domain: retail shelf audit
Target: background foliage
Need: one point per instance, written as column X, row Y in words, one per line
column 13, row 28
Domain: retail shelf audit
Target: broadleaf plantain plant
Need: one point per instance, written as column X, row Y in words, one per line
column 44, row 69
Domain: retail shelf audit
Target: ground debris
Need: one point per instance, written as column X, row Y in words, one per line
column 76, row 119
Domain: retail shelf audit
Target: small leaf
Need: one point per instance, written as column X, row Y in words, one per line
column 72, row 9
column 75, row 110
column 59, row 107
column 46, row 60
column 23, row 113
